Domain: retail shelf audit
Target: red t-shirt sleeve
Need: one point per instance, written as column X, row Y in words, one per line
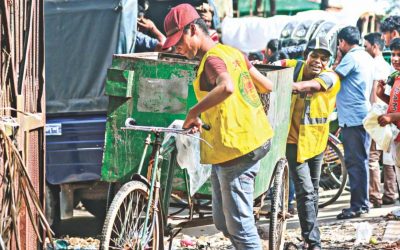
column 213, row 67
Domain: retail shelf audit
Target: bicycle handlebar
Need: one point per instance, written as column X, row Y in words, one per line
column 130, row 124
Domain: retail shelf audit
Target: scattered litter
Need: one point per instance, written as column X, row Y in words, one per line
column 209, row 242
column 342, row 235
column 74, row 243
column 363, row 233
column 373, row 241
column 187, row 242
column 394, row 215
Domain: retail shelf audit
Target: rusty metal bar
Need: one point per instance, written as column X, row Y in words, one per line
column 27, row 46
column 11, row 73
column 22, row 91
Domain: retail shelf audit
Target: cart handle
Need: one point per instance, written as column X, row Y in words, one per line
column 130, row 124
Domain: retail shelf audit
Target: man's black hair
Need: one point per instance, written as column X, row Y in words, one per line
column 350, row 34
column 278, row 55
column 273, row 45
column 255, row 56
column 375, row 38
column 395, row 44
column 390, row 24
column 200, row 22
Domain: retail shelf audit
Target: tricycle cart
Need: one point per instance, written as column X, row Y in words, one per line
column 152, row 90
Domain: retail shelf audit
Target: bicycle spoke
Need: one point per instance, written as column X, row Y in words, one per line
column 136, row 214
column 126, row 215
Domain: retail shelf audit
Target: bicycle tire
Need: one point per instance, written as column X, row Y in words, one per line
column 341, row 181
column 2, row 244
column 279, row 206
column 115, row 219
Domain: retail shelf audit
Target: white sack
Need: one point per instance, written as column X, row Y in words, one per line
column 188, row 157
column 383, row 136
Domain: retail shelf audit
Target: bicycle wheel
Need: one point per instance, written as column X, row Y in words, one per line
column 333, row 175
column 125, row 220
column 279, row 206
column 2, row 245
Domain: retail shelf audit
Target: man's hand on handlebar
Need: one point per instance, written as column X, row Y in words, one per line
column 193, row 122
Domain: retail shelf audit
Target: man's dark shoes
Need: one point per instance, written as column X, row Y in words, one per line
column 375, row 203
column 387, row 201
column 349, row 214
column 362, row 211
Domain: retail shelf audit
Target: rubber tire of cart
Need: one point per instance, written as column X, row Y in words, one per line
column 280, row 196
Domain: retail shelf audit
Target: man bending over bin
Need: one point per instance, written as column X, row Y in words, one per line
column 226, row 89
column 314, row 94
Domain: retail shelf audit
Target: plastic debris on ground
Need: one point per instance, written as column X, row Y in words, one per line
column 363, row 232
column 342, row 235
column 394, row 215
column 74, row 243
column 209, row 242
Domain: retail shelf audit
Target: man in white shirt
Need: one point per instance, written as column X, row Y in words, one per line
column 374, row 45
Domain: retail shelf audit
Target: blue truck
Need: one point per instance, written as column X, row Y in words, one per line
column 81, row 37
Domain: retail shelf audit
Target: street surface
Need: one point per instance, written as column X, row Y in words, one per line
column 335, row 234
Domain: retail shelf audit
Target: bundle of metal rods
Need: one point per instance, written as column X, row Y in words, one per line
column 22, row 91
column 16, row 191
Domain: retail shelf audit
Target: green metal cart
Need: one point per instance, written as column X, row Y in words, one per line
column 155, row 89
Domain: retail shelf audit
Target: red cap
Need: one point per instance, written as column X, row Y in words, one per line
column 176, row 19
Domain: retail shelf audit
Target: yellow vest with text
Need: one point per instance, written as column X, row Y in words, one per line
column 314, row 123
column 239, row 124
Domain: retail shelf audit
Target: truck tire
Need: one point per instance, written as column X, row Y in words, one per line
column 52, row 206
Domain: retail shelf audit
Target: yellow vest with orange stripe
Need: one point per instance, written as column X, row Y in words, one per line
column 239, row 124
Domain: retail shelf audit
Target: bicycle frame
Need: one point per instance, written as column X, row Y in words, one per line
column 153, row 167
column 153, row 171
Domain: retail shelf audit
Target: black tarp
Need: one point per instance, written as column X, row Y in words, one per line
column 81, row 37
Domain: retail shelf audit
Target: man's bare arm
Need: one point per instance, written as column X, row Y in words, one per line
column 261, row 82
column 380, row 92
column 307, row 86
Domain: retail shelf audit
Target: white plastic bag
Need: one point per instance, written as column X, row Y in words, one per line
column 383, row 136
column 188, row 157
column 363, row 233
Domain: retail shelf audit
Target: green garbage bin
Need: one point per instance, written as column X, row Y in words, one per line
column 156, row 89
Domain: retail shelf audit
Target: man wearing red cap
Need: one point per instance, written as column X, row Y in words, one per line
column 226, row 88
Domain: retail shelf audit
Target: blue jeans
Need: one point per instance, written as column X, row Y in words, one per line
column 232, row 203
column 356, row 143
column 306, row 178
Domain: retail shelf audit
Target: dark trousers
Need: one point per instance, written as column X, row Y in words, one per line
column 306, row 182
column 357, row 143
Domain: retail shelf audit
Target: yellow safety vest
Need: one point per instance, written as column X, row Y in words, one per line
column 314, row 124
column 239, row 124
